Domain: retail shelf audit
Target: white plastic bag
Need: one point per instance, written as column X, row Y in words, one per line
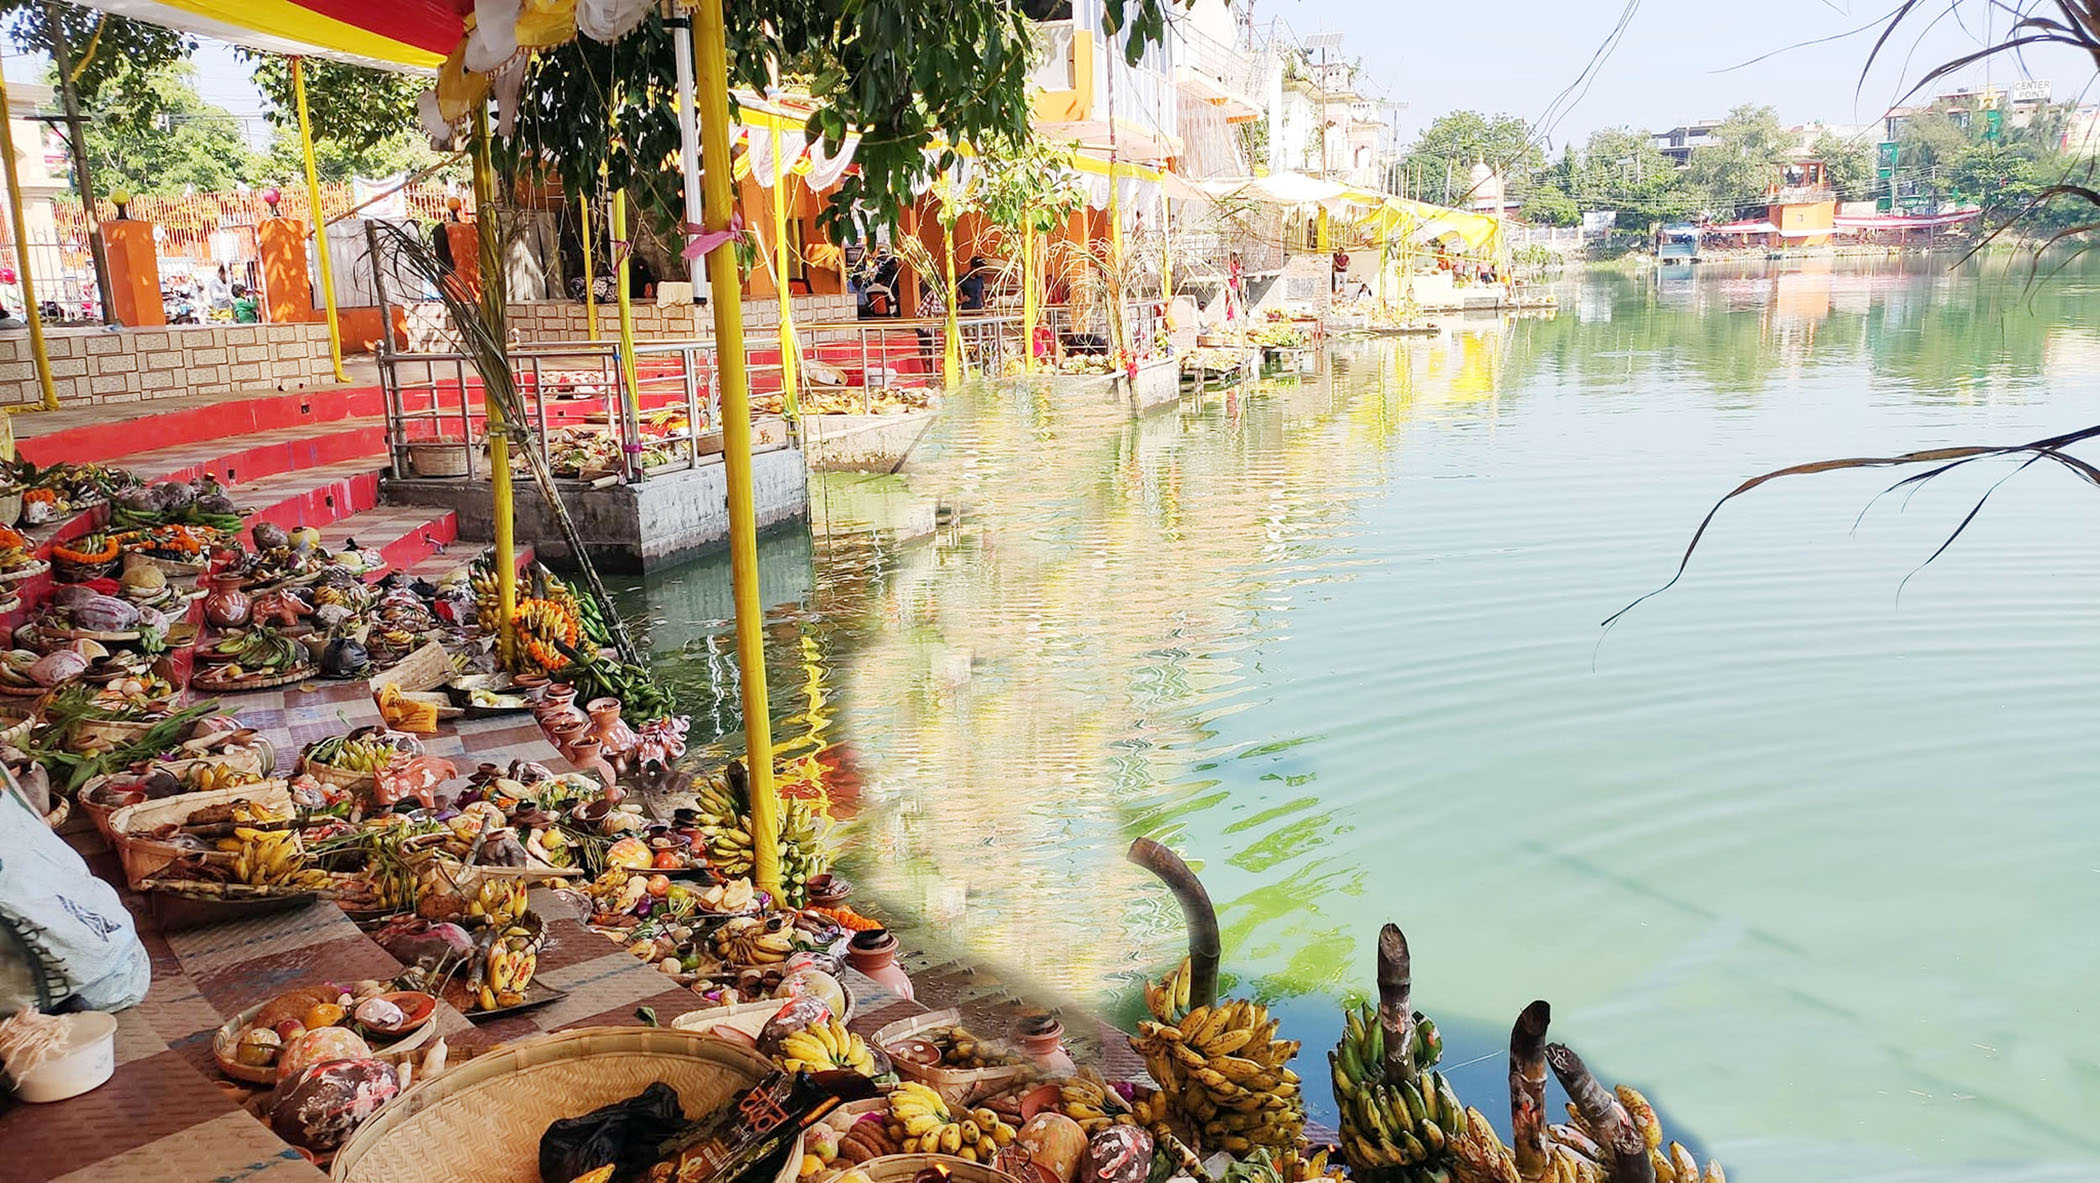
column 64, row 934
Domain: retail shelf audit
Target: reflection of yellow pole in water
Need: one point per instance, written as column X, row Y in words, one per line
column 590, row 286
column 711, row 70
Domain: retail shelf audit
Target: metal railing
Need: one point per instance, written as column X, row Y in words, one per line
column 436, row 415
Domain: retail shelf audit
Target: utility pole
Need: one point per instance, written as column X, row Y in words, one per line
column 76, row 137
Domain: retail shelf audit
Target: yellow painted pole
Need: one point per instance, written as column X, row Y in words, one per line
column 621, row 254
column 711, row 80
column 1116, row 328
column 1029, row 310
column 503, row 508
column 21, row 223
column 590, row 277
column 951, row 348
column 790, row 351
column 313, row 198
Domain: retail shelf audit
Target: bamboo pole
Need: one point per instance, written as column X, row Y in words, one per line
column 711, row 65
column 313, row 198
column 1527, row 1092
column 1029, row 308
column 1206, row 947
column 503, row 506
column 629, row 396
column 590, row 277
column 21, row 224
column 790, row 349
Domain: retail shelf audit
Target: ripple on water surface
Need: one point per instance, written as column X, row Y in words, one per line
column 1808, row 859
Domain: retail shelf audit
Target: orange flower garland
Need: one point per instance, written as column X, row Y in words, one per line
column 541, row 622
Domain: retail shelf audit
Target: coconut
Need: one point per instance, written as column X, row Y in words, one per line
column 173, row 496
column 145, row 581
column 269, row 536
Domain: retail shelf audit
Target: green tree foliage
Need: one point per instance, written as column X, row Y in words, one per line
column 368, row 117
column 106, row 49
column 1850, row 164
column 150, row 132
column 1442, row 158
column 1618, row 169
column 904, row 74
column 1735, row 171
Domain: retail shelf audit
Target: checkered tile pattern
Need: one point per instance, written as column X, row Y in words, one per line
column 169, row 1116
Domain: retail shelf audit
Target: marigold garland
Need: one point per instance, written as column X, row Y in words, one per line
column 539, row 623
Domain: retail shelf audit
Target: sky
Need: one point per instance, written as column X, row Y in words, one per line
column 1677, row 61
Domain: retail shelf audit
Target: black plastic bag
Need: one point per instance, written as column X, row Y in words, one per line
column 625, row 1133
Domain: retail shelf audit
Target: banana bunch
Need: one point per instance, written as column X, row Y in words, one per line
column 826, row 1047
column 725, row 823
column 930, row 1127
column 1578, row 1142
column 487, row 606
column 510, row 965
column 498, row 901
column 271, row 858
column 747, row 940
column 352, row 755
column 206, row 777
column 1222, row 1069
column 263, row 650
column 1399, row 1131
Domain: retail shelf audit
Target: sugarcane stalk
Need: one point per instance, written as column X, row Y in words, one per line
column 1205, row 947
column 1395, row 1005
column 1527, row 1091
column 1608, row 1119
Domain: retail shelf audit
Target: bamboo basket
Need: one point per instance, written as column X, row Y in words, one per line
column 226, row 1040
column 258, row 758
column 956, row 1085
column 341, row 778
column 142, row 856
column 481, row 1122
column 748, row 1017
column 903, row 1168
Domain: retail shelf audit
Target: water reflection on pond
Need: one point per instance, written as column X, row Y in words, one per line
column 1807, row 861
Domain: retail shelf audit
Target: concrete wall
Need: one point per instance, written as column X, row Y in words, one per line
column 664, row 519
column 127, row 365
column 862, row 443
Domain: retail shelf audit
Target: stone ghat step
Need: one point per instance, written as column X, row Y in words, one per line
column 109, row 434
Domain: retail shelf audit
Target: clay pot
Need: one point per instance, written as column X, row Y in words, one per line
column 874, row 953
column 612, row 731
column 1042, row 1038
column 557, row 701
column 227, row 607
column 828, row 890
column 588, row 755
column 564, row 731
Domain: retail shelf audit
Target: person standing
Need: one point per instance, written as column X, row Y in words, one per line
column 218, row 292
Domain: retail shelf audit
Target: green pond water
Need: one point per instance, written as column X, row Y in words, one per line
column 1804, row 850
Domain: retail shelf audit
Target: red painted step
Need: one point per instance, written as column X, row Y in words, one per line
column 404, row 535
column 313, row 496
column 185, row 420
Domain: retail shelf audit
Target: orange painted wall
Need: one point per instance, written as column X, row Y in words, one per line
column 466, row 253
column 287, row 291
column 134, row 273
column 1813, row 216
column 1076, row 104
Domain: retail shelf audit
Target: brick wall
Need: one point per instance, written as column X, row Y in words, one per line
column 563, row 321
column 127, row 365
